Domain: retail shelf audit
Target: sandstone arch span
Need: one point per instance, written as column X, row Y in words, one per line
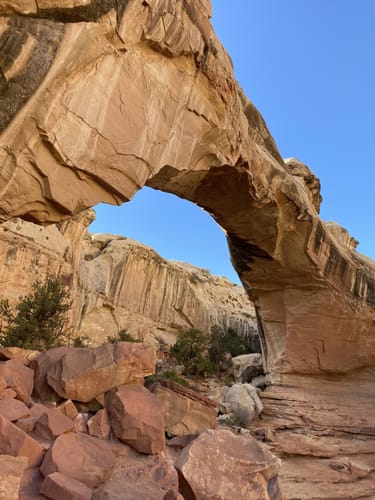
column 106, row 101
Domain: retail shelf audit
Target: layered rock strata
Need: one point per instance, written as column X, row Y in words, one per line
column 118, row 283
column 142, row 92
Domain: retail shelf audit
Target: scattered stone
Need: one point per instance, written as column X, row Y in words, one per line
column 83, row 374
column 220, row 465
column 81, row 457
column 187, row 412
column 11, row 472
column 18, row 377
column 247, row 366
column 27, row 424
column 57, row 486
column 137, row 418
column 99, row 425
column 245, row 403
column 8, row 393
column 12, row 409
column 68, row 409
column 15, row 442
column 24, row 355
column 53, row 423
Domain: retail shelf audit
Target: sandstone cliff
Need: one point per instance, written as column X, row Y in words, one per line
column 118, row 283
column 101, row 98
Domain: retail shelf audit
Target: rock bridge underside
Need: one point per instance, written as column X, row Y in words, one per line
column 98, row 99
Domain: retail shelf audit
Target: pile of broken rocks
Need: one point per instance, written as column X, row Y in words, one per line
column 78, row 423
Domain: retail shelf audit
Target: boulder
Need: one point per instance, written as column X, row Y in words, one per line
column 186, row 411
column 12, row 409
column 219, row 465
column 18, row 377
column 99, row 425
column 245, row 403
column 53, row 423
column 137, row 476
column 57, row 486
column 247, row 366
column 11, row 472
column 81, row 457
column 41, row 364
column 15, row 442
column 137, row 418
column 27, row 424
column 83, row 374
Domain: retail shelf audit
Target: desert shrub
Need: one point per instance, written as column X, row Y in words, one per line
column 122, row 336
column 39, row 321
column 224, row 342
column 191, row 350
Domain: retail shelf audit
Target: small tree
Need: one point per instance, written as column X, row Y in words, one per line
column 191, row 350
column 39, row 320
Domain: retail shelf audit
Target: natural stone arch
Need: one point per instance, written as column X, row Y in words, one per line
column 143, row 94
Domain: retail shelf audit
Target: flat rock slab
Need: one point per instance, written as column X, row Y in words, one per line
column 53, row 423
column 219, row 465
column 136, row 476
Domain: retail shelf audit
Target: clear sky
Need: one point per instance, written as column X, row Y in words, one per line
column 309, row 67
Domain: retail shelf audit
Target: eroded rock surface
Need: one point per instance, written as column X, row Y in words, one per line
column 139, row 93
column 118, row 283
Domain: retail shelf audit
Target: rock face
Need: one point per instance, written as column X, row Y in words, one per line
column 118, row 283
column 139, row 93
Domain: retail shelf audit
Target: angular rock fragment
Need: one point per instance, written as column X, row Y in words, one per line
column 137, row 418
column 53, row 423
column 11, row 472
column 83, row 374
column 137, row 476
column 186, row 411
column 12, row 409
column 15, row 442
column 18, row 377
column 81, row 457
column 220, row 465
column 99, row 425
column 68, row 408
column 57, row 486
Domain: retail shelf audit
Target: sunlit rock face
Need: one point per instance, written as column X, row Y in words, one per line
column 117, row 283
column 101, row 98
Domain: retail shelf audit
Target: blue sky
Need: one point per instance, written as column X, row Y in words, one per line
column 309, row 67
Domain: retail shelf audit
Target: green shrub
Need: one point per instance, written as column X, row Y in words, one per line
column 122, row 336
column 39, row 320
column 191, row 350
